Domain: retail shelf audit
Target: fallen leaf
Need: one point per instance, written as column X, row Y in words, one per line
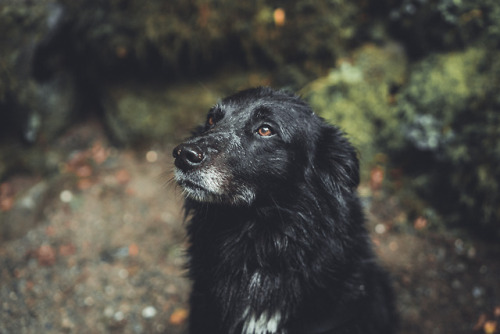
column 6, row 203
column 121, row 51
column 50, row 231
column 6, row 197
column 279, row 17
column 99, row 153
column 83, row 171
column 6, row 189
column 67, row 249
column 46, row 255
column 30, row 285
column 133, row 250
column 84, row 184
column 122, row 176
column 490, row 327
column 376, row 178
column 130, row 191
column 420, row 223
column 179, row 316
column 393, row 246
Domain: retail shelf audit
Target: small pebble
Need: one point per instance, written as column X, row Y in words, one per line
column 149, row 312
column 119, row 316
column 123, row 273
column 459, row 246
column 89, row 301
column 477, row 292
column 380, row 228
column 151, row 156
column 109, row 290
column 13, row 296
column 66, row 196
column 108, row 312
column 456, row 284
column 66, row 323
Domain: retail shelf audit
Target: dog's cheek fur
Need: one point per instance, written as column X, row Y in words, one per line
column 335, row 159
column 266, row 165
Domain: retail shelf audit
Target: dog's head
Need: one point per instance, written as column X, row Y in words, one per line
column 262, row 144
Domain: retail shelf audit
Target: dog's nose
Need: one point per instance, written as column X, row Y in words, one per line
column 188, row 156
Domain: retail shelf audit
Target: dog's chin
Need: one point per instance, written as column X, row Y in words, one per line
column 198, row 193
column 228, row 194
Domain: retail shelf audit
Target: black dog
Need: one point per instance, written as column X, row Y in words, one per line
column 278, row 243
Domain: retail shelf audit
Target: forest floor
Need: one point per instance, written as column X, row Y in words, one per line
column 99, row 248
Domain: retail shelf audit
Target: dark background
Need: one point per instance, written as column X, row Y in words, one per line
column 94, row 94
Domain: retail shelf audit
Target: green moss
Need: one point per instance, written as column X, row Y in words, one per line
column 142, row 113
column 357, row 95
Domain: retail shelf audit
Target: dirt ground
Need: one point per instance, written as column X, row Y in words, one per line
column 98, row 247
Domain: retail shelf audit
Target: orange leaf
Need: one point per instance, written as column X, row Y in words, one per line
column 83, row 171
column 490, row 327
column 420, row 223
column 376, row 178
column 46, row 255
column 122, row 176
column 6, row 203
column 84, row 184
column 179, row 316
column 133, row 250
column 497, row 312
column 67, row 249
column 279, row 17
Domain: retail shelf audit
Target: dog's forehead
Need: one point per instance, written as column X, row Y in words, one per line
column 282, row 108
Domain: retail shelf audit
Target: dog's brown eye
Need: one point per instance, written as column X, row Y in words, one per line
column 265, row 131
column 211, row 121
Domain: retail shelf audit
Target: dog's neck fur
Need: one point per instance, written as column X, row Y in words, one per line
column 265, row 250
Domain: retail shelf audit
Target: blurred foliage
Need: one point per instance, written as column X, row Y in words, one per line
column 58, row 56
column 432, row 117
column 181, row 37
column 32, row 108
column 440, row 130
column 144, row 113
column 14, row 77
column 449, row 135
column 141, row 113
column 357, row 96
column 435, row 123
column 426, row 26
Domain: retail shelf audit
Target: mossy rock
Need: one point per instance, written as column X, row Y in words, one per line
column 358, row 95
column 138, row 113
column 450, row 126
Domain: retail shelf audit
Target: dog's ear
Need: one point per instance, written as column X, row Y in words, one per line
column 335, row 160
